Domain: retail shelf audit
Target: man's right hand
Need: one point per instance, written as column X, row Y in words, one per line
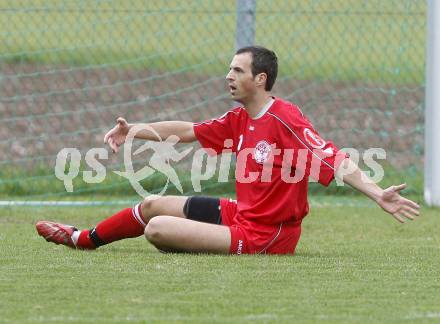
column 117, row 135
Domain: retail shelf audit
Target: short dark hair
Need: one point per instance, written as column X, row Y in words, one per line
column 263, row 61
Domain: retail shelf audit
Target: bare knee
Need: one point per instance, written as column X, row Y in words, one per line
column 149, row 208
column 154, row 231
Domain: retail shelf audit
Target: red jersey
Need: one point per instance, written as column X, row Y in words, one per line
column 276, row 154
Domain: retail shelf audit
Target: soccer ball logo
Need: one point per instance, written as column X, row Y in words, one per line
column 262, row 152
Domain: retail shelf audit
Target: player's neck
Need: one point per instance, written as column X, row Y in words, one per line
column 254, row 106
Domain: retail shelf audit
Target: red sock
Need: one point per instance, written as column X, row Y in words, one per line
column 125, row 224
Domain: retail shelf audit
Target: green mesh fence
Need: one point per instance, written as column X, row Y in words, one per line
column 69, row 68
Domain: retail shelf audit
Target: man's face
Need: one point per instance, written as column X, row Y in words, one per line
column 241, row 82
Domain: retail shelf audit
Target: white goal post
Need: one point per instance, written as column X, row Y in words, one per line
column 432, row 108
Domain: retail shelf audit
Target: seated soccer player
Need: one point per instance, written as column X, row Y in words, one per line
column 277, row 150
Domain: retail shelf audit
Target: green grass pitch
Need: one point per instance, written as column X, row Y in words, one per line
column 353, row 264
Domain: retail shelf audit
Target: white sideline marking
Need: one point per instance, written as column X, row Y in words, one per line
column 316, row 203
column 423, row 315
column 261, row 317
column 11, row 203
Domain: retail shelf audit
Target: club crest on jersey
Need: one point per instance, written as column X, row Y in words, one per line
column 262, row 152
column 313, row 139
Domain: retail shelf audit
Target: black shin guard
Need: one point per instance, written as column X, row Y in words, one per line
column 203, row 209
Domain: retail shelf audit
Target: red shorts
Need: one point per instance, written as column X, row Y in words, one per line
column 252, row 238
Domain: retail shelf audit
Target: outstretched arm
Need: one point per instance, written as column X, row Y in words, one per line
column 388, row 199
column 118, row 134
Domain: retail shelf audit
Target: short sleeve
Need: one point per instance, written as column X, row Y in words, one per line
column 213, row 133
column 323, row 157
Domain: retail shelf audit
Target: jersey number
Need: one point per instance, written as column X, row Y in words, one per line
column 240, row 141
